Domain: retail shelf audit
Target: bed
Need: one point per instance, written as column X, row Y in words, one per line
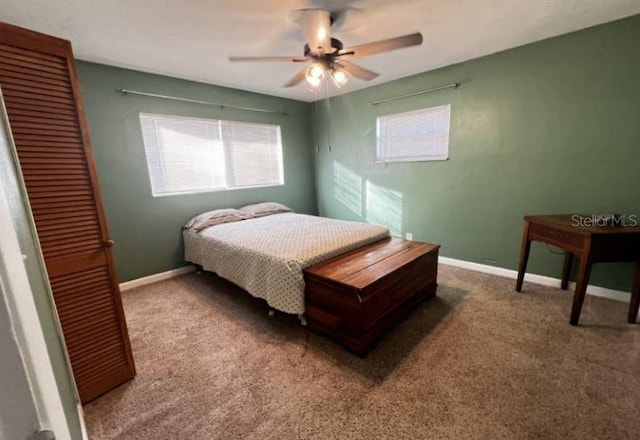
column 266, row 255
column 271, row 254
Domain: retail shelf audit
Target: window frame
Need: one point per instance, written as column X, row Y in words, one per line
column 423, row 158
column 208, row 120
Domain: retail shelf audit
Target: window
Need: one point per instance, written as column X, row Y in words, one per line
column 414, row 136
column 187, row 155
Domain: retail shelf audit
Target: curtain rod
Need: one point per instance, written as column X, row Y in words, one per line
column 421, row 92
column 197, row 101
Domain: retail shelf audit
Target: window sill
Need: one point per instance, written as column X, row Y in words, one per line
column 203, row 191
column 421, row 159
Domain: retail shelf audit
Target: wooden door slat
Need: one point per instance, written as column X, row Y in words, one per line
column 66, row 214
column 49, row 224
column 36, row 83
column 19, row 72
column 63, row 253
column 54, row 98
column 89, row 364
column 71, row 280
column 38, row 172
column 50, row 150
column 79, row 311
column 44, row 206
column 96, row 366
column 55, row 170
column 53, row 59
column 67, row 246
column 13, row 88
column 33, row 62
column 96, row 361
column 44, row 234
column 39, row 162
column 67, row 241
column 70, row 241
column 58, row 194
column 71, row 206
column 39, row 113
column 88, row 326
column 23, row 130
column 21, row 137
column 31, row 65
column 45, row 119
column 21, row 103
column 75, row 295
column 81, row 350
column 45, row 155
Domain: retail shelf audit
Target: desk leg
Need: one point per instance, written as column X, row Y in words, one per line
column 635, row 296
column 581, row 284
column 566, row 270
column 524, row 257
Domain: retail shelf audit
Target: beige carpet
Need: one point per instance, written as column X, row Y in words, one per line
column 477, row 362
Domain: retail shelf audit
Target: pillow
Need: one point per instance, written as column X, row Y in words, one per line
column 216, row 217
column 263, row 209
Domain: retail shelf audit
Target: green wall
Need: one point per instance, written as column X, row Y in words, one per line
column 147, row 229
column 551, row 127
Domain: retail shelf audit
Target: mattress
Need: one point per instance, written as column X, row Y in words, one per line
column 266, row 255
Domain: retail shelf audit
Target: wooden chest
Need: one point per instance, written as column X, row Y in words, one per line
column 357, row 296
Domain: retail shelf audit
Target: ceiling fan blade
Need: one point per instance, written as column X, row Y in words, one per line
column 297, row 79
column 286, row 59
column 357, row 71
column 316, row 24
column 375, row 47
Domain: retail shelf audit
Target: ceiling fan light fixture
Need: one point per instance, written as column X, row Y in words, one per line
column 327, row 56
column 314, row 74
column 322, row 33
column 340, row 77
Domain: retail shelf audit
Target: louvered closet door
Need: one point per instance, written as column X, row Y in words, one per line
column 42, row 98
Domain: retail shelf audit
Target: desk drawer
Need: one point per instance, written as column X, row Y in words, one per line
column 557, row 237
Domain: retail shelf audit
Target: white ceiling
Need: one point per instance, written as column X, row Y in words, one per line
column 192, row 39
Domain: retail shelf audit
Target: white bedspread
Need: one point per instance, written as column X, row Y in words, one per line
column 265, row 256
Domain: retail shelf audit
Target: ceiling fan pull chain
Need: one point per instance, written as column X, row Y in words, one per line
column 317, row 132
column 326, row 88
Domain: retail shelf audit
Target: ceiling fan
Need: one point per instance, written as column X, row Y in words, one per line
column 327, row 56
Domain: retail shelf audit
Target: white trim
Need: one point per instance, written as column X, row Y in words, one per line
column 128, row 285
column 202, row 191
column 617, row 295
column 603, row 292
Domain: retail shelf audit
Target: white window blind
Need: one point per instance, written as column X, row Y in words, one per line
column 187, row 155
column 414, row 136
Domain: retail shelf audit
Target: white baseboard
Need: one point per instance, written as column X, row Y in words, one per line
column 603, row 292
column 127, row 285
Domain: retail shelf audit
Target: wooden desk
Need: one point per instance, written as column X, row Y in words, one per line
column 591, row 244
